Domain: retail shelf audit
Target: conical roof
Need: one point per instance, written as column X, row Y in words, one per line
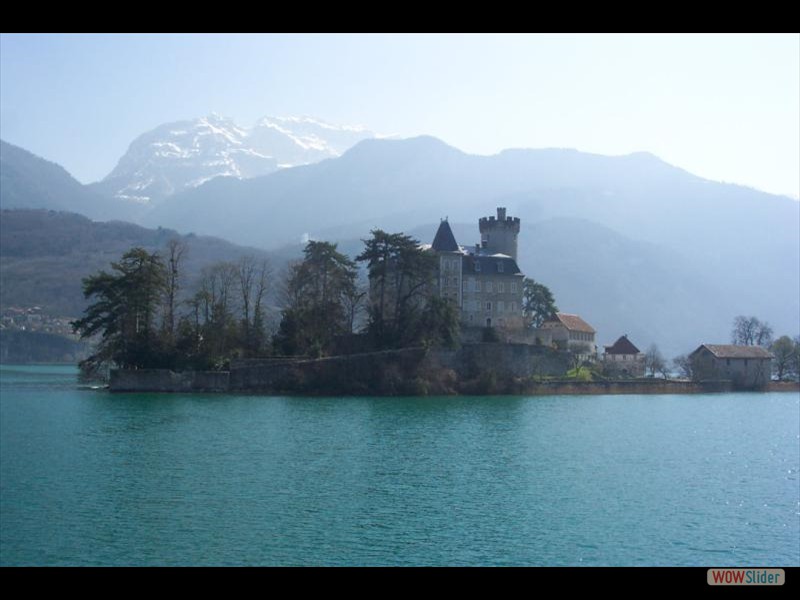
column 445, row 241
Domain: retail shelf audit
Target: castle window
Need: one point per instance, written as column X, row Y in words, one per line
column 501, row 306
column 500, row 267
column 489, row 286
column 501, row 288
column 513, row 288
column 513, row 307
column 477, row 266
column 489, row 306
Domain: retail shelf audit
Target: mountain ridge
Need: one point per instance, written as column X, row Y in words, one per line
column 185, row 154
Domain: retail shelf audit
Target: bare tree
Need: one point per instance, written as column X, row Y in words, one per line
column 253, row 279
column 784, row 350
column 749, row 331
column 683, row 364
column 354, row 304
column 176, row 252
column 654, row 361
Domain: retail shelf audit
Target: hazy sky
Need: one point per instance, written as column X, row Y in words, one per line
column 726, row 107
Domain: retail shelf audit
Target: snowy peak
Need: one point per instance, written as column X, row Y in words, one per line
column 304, row 140
column 185, row 154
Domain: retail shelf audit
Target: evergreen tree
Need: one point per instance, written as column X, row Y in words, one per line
column 315, row 301
column 124, row 312
column 538, row 303
column 400, row 275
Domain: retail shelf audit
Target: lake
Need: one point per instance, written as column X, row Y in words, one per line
column 91, row 478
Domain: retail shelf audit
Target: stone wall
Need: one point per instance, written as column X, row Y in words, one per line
column 388, row 372
column 504, row 360
column 164, row 380
column 633, row 386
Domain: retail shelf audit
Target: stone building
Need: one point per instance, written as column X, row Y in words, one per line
column 745, row 366
column 568, row 332
column 624, row 358
column 484, row 281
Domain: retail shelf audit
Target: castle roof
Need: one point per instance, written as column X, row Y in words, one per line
column 731, row 351
column 622, row 346
column 572, row 322
column 491, row 264
column 445, row 241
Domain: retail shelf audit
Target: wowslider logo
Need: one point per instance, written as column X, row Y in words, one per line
column 746, row 577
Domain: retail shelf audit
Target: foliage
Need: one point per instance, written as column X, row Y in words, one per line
column 787, row 358
column 318, row 301
column 141, row 316
column 580, row 373
column 403, row 308
column 538, row 303
column 124, row 312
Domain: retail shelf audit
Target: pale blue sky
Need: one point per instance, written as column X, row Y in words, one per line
column 726, row 107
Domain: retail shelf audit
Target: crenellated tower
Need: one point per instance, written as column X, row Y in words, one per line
column 499, row 235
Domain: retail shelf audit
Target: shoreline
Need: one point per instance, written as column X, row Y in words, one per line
column 221, row 382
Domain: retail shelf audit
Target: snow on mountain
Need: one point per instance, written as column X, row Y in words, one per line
column 185, row 154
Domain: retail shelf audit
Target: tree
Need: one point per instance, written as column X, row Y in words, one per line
column 683, row 364
column 176, row 250
column 252, row 279
column 538, row 303
column 354, row 301
column 785, row 351
column 316, row 292
column 749, row 331
column 654, row 362
column 794, row 364
column 400, row 276
column 124, row 312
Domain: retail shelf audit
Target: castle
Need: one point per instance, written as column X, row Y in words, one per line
column 484, row 281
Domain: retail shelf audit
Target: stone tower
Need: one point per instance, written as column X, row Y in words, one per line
column 499, row 235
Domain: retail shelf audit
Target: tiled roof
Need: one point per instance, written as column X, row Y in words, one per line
column 730, row 351
column 622, row 346
column 573, row 322
column 445, row 241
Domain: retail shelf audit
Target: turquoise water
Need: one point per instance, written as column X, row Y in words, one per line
column 90, row 478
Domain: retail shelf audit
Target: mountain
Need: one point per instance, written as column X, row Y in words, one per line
column 185, row 154
column 742, row 245
column 28, row 181
column 634, row 244
column 45, row 254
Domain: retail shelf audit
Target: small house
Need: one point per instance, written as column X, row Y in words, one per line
column 570, row 332
column 745, row 366
column 624, row 358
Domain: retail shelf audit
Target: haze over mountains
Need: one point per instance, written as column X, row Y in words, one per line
column 632, row 243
